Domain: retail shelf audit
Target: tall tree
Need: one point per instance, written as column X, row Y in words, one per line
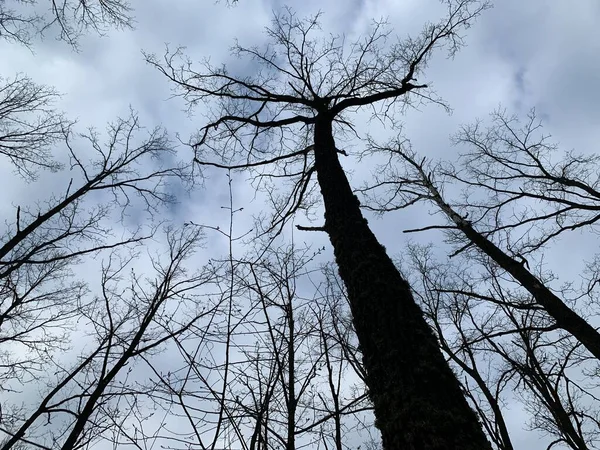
column 271, row 369
column 84, row 400
column 512, row 165
column 42, row 306
column 283, row 122
column 496, row 301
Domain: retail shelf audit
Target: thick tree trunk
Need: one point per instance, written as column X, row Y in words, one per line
column 417, row 398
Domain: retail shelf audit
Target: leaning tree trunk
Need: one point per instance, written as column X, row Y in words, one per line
column 418, row 400
column 565, row 317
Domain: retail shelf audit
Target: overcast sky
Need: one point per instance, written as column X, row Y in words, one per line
column 520, row 54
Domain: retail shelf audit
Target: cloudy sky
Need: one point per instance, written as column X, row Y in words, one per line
column 520, row 54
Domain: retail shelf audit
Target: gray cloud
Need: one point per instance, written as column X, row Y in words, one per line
column 520, row 54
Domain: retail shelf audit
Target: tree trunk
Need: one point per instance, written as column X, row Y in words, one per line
column 418, row 400
column 565, row 317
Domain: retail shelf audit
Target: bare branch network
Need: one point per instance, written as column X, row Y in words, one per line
column 23, row 20
column 266, row 350
column 264, row 122
column 519, row 196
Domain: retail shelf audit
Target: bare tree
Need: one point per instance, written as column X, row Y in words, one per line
column 509, row 311
column 451, row 314
column 21, row 20
column 509, row 349
column 42, row 245
column 514, row 171
column 267, row 371
column 302, row 349
column 343, row 362
column 282, row 122
column 29, row 127
column 122, row 325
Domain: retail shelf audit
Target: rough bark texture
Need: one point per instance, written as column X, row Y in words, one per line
column 418, row 400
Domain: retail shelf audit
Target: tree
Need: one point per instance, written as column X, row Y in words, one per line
column 283, row 122
column 304, row 352
column 41, row 304
column 266, row 371
column 509, row 350
column 54, row 396
column 42, row 244
column 450, row 314
column 29, row 127
column 511, row 168
column 84, row 400
column 21, row 20
column 518, row 198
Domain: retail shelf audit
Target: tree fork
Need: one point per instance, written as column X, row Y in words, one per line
column 418, row 400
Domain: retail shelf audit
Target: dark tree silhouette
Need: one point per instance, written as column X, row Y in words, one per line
column 282, row 122
column 511, row 166
column 268, row 370
column 86, row 399
column 29, row 126
column 508, row 347
column 43, row 242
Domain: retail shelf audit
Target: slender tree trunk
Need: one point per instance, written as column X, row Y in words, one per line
column 418, row 401
column 565, row 317
column 292, row 402
column 503, row 440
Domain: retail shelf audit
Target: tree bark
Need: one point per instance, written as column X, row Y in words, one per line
column 417, row 398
